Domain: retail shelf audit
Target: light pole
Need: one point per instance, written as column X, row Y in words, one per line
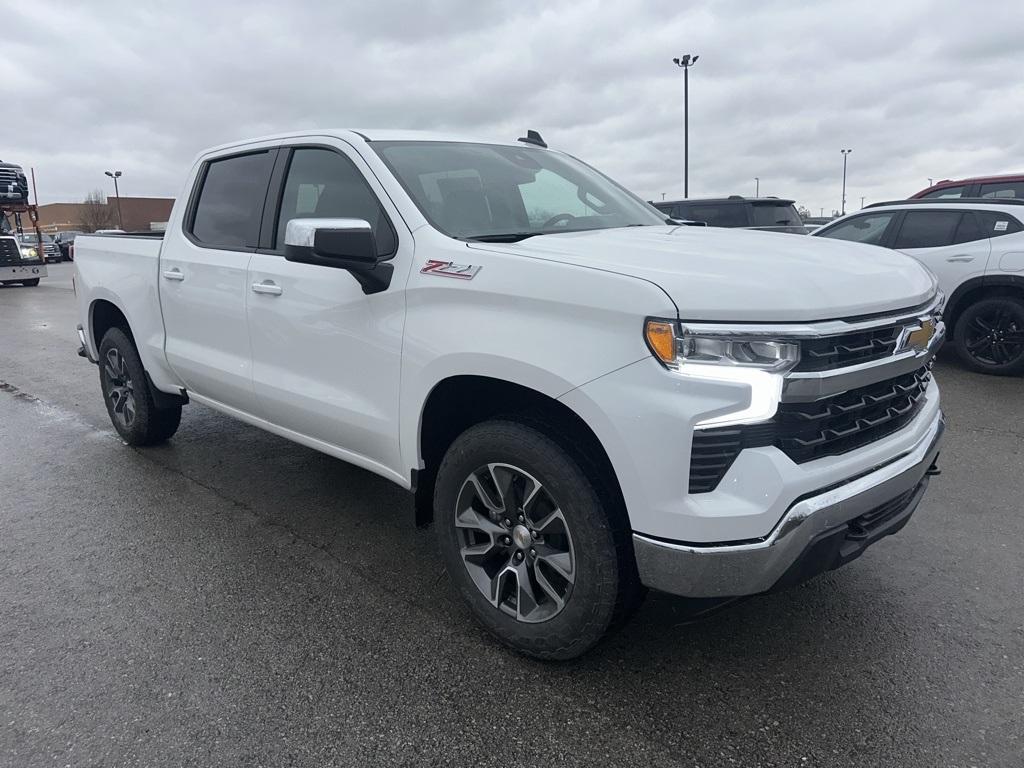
column 685, row 62
column 862, row 202
column 115, row 175
column 757, row 186
column 845, row 153
column 931, row 182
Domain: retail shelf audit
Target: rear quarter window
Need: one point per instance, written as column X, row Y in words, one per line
column 995, row 224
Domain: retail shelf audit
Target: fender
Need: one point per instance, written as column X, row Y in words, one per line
column 486, row 365
column 955, row 304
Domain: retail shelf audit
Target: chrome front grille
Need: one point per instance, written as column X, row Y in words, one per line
column 839, row 424
column 10, row 253
column 832, row 352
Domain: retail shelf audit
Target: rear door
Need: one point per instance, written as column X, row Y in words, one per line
column 327, row 356
column 950, row 242
column 204, row 281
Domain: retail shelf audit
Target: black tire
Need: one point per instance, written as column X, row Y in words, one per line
column 30, row 283
column 127, row 394
column 989, row 336
column 605, row 588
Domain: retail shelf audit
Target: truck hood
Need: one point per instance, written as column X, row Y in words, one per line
column 737, row 275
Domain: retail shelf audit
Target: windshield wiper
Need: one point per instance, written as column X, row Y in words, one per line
column 506, row 237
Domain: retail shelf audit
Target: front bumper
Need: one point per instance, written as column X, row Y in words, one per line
column 28, row 271
column 814, row 535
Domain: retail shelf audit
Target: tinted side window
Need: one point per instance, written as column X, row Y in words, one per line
column 867, row 228
column 946, row 192
column 928, row 229
column 230, row 204
column 995, row 224
column 323, row 184
column 969, row 229
column 720, row 215
column 1008, row 189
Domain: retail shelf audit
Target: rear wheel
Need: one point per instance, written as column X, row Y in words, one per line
column 127, row 394
column 539, row 554
column 31, row 283
column 989, row 336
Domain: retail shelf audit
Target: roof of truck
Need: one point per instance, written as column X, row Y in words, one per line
column 372, row 134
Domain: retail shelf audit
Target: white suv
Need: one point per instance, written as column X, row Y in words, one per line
column 976, row 250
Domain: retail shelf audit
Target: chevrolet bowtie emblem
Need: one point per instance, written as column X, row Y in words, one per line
column 917, row 337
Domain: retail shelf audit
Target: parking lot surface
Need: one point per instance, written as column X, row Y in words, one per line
column 231, row 598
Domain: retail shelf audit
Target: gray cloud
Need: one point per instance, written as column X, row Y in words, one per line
column 920, row 88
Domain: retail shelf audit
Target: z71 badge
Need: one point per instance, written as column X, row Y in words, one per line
column 449, row 269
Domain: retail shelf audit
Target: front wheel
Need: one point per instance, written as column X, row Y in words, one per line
column 541, row 557
column 30, row 283
column 989, row 336
column 127, row 394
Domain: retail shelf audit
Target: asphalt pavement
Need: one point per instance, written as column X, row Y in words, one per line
column 232, row 599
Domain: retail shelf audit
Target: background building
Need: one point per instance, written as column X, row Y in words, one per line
column 138, row 214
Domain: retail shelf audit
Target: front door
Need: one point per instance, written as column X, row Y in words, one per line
column 326, row 356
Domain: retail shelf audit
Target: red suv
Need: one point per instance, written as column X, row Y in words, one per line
column 1011, row 186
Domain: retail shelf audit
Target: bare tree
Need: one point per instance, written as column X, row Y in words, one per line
column 95, row 213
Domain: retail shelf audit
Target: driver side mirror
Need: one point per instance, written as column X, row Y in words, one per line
column 339, row 243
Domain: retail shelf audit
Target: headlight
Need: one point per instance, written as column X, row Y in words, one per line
column 758, row 363
column 678, row 349
column 28, row 253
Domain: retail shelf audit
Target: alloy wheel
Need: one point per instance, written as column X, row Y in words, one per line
column 120, row 389
column 995, row 337
column 515, row 542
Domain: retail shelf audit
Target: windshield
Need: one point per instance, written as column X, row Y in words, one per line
column 776, row 214
column 500, row 192
column 30, row 237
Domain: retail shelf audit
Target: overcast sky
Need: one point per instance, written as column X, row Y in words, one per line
column 917, row 89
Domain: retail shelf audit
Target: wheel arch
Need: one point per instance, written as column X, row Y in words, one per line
column 459, row 401
column 978, row 288
column 104, row 314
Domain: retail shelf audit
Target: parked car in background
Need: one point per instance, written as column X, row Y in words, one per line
column 585, row 399
column 13, row 184
column 50, row 250
column 976, row 249
column 1010, row 186
column 19, row 263
column 812, row 223
column 65, row 241
column 770, row 214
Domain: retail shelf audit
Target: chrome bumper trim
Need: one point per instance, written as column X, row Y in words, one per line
column 732, row 570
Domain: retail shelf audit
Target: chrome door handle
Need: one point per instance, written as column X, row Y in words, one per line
column 960, row 257
column 268, row 287
column 174, row 274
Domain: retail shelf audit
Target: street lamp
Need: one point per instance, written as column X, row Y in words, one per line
column 845, row 153
column 757, row 186
column 685, row 62
column 115, row 175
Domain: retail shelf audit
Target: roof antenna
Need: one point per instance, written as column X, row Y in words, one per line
column 532, row 137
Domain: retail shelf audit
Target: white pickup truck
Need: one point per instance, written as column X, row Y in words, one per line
column 586, row 398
